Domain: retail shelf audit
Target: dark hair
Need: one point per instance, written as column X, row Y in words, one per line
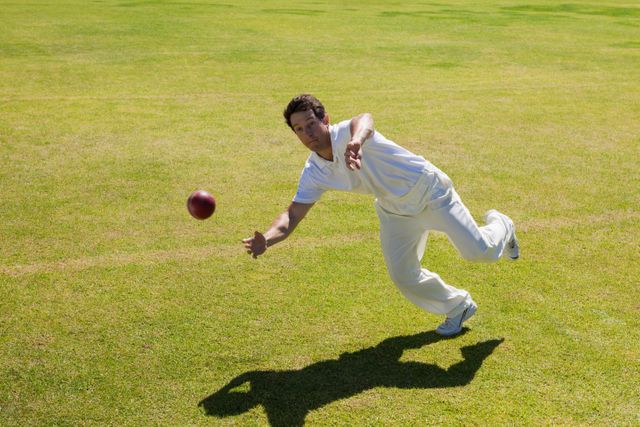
column 303, row 102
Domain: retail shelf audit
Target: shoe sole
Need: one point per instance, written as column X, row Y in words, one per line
column 515, row 249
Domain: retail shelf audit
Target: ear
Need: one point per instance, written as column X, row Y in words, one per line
column 325, row 120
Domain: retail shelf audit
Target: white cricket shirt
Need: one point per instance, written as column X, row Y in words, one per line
column 402, row 182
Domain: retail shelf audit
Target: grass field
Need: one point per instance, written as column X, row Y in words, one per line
column 118, row 308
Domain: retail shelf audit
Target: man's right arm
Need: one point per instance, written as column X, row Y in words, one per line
column 280, row 229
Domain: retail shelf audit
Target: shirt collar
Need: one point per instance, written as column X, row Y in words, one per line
column 321, row 162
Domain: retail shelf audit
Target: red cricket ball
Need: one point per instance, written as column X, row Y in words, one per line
column 201, row 204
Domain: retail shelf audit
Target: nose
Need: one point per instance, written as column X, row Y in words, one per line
column 308, row 131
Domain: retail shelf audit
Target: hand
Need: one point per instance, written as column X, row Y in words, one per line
column 255, row 245
column 352, row 154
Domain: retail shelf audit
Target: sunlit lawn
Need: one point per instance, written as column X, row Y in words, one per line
column 118, row 308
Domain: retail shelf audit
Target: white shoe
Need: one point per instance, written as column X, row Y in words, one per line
column 453, row 325
column 513, row 249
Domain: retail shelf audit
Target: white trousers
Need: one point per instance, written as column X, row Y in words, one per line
column 404, row 240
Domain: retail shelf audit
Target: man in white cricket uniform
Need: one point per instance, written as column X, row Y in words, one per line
column 412, row 197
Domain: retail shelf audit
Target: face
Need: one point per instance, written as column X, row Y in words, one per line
column 312, row 132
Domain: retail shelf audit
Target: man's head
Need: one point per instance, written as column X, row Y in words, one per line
column 304, row 102
column 305, row 115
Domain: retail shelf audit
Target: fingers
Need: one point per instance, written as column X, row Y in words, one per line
column 352, row 156
column 255, row 245
column 250, row 241
column 353, row 163
column 352, row 159
column 252, row 251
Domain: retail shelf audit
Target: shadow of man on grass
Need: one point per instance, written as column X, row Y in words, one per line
column 288, row 396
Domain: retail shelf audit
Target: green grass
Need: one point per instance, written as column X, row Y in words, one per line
column 118, row 308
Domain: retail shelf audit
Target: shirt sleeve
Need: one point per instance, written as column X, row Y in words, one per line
column 308, row 190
